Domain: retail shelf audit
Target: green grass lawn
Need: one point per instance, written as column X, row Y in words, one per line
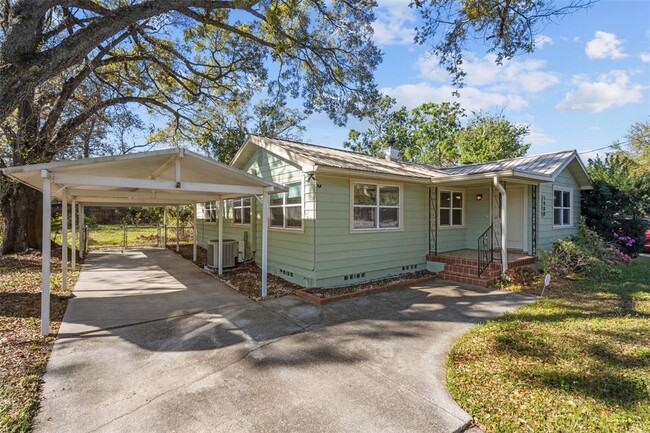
column 577, row 360
column 112, row 236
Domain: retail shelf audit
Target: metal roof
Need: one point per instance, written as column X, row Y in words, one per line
column 169, row 176
column 311, row 158
column 541, row 165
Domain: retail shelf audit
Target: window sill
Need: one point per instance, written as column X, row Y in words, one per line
column 450, row 227
column 287, row 229
column 384, row 230
column 568, row 226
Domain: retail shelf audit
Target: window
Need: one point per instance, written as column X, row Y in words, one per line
column 561, row 207
column 207, row 212
column 375, row 206
column 451, row 209
column 241, row 211
column 286, row 208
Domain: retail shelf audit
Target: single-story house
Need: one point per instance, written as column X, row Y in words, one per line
column 348, row 217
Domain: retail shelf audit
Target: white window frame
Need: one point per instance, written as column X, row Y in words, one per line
column 570, row 207
column 284, row 205
column 400, row 206
column 463, row 215
column 234, row 205
column 210, row 208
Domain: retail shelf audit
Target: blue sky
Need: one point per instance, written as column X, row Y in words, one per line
column 585, row 84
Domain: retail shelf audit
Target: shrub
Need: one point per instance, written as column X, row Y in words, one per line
column 587, row 254
column 523, row 276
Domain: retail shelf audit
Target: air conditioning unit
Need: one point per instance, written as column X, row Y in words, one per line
column 230, row 253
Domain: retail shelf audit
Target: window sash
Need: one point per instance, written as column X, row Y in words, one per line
column 286, row 208
column 209, row 212
column 452, row 214
column 383, row 214
column 562, row 207
column 241, row 211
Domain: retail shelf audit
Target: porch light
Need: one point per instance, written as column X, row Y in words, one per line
column 478, row 197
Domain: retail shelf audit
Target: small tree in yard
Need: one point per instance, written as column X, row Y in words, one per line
column 618, row 206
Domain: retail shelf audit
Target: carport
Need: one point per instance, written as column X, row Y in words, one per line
column 158, row 178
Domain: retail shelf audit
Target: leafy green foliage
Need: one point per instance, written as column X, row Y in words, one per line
column 620, row 200
column 586, row 254
column 434, row 134
column 489, row 138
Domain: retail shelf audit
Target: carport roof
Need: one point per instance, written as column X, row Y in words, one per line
column 161, row 177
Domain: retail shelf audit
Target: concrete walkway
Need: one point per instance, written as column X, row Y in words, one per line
column 153, row 344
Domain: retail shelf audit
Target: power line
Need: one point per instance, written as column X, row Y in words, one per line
column 606, row 147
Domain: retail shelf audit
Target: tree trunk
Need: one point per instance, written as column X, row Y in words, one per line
column 21, row 209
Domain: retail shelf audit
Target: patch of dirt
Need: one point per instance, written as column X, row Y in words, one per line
column 328, row 293
column 246, row 278
column 23, row 351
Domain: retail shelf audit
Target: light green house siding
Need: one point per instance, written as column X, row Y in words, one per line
column 546, row 233
column 327, row 253
column 291, row 252
column 476, row 215
column 344, row 256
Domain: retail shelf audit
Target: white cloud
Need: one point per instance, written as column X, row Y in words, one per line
column 515, row 76
column 542, row 40
column 645, row 57
column 605, row 45
column 471, row 98
column 537, row 137
column 609, row 90
column 395, row 23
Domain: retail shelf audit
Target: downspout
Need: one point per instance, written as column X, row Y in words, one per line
column 504, row 224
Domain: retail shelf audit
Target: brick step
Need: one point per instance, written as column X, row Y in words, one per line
column 457, row 261
column 481, row 282
column 471, row 271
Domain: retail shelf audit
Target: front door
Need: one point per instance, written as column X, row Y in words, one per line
column 516, row 217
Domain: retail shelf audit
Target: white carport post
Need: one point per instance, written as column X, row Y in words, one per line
column 220, row 258
column 504, row 224
column 82, row 236
column 178, row 217
column 165, row 227
column 265, row 237
column 46, row 253
column 73, row 211
column 64, row 240
column 194, row 236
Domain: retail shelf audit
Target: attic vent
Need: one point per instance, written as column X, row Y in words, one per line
column 409, row 267
column 354, row 276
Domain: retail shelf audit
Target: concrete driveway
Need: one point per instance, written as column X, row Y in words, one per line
column 153, row 344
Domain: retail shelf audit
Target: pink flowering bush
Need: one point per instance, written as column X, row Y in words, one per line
column 587, row 254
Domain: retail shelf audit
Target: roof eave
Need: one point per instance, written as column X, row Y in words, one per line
column 346, row 172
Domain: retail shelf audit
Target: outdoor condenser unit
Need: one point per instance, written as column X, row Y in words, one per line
column 230, row 253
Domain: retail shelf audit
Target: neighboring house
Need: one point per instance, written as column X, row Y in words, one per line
column 349, row 218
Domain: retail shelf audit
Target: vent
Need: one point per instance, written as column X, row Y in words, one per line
column 285, row 272
column 354, row 276
column 409, row 267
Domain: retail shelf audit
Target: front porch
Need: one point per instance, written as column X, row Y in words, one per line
column 462, row 266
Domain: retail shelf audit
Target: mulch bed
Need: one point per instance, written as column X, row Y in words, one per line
column 245, row 278
column 23, row 351
column 324, row 296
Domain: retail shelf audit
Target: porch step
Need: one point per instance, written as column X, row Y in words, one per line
column 481, row 282
column 463, row 261
column 471, row 271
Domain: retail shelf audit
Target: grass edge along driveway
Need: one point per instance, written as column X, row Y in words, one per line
column 577, row 360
